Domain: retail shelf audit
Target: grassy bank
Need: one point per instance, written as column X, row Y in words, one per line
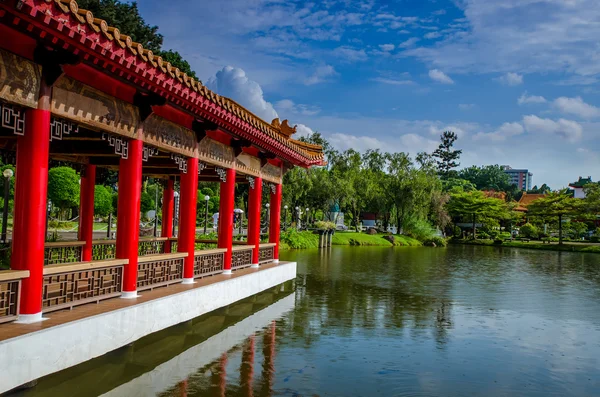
column 293, row 239
column 537, row 245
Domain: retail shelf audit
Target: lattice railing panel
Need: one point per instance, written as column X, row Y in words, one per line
column 159, row 273
column 151, row 247
column 70, row 289
column 241, row 258
column 208, row 264
column 102, row 251
column 9, row 298
column 63, row 254
column 265, row 254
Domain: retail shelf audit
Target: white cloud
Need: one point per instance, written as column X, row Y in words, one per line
column 409, row 143
column 409, row 43
column 233, row 83
column 526, row 99
column 466, row 106
column 576, row 106
column 440, row 77
column 567, row 129
column 390, row 81
column 387, row 47
column 302, row 131
column 433, row 35
column 320, row 74
column 350, row 54
column 287, row 105
column 505, row 131
column 511, row 79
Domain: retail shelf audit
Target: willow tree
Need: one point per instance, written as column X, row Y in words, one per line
column 476, row 205
column 559, row 204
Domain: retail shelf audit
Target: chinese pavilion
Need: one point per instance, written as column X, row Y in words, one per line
column 74, row 89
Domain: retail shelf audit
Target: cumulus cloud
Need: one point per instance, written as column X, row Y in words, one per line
column 567, row 129
column 409, row 43
column 410, row 143
column 233, row 83
column 320, row 74
column 391, row 81
column 302, row 131
column 387, row 47
column 527, row 99
column 511, row 79
column 440, row 76
column 466, row 106
column 350, row 54
column 577, row 107
column 433, row 35
column 288, row 106
column 505, row 131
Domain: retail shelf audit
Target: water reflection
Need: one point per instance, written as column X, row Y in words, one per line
column 475, row 321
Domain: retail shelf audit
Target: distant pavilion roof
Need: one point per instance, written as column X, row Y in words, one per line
column 581, row 182
column 78, row 31
column 526, row 199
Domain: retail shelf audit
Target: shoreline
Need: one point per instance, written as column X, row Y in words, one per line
column 566, row 247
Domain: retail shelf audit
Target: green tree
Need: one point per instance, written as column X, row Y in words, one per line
column 103, row 202
column 557, row 204
column 147, row 202
column 476, row 205
column 447, row 157
column 529, row 231
column 489, row 177
column 63, row 189
column 177, row 60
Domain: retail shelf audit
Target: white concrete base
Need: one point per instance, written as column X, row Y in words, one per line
column 254, row 266
column 50, row 350
column 129, row 295
column 30, row 318
column 186, row 364
column 275, row 260
column 188, row 281
column 227, row 271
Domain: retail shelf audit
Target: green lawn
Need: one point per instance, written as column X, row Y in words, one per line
column 538, row 245
column 354, row 238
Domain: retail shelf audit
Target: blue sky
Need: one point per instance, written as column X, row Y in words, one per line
column 518, row 80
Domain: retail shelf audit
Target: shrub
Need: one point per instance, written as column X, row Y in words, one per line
column 419, row 229
column 322, row 225
column 437, row 240
column 300, row 240
column 528, row 231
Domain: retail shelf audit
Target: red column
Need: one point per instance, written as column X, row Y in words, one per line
column 128, row 215
column 247, row 368
column 187, row 218
column 86, row 210
column 254, row 208
column 223, row 371
column 274, row 227
column 166, row 229
column 226, row 203
column 30, row 210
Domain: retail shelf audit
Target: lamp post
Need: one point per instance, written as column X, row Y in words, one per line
column 297, row 217
column 307, row 216
column 206, row 198
column 176, row 212
column 268, row 215
column 155, row 209
column 8, row 173
column 285, row 207
column 48, row 209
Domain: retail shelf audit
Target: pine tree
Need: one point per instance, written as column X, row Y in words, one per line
column 447, row 158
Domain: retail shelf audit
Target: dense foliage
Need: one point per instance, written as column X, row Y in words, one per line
column 63, row 189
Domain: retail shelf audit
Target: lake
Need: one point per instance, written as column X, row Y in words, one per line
column 357, row 321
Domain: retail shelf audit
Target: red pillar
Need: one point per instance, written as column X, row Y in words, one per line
column 274, row 227
column 128, row 215
column 254, row 208
column 187, row 218
column 247, row 368
column 30, row 210
column 86, row 210
column 223, row 371
column 226, row 203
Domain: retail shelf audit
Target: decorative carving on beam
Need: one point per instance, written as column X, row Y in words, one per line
column 20, row 80
column 273, row 188
column 251, row 181
column 215, row 153
column 181, row 162
column 222, row 173
column 271, row 173
column 248, row 165
column 238, row 146
column 121, row 145
column 168, row 136
column 201, row 127
column 52, row 61
column 145, row 101
column 148, row 152
column 201, row 167
column 59, row 127
column 87, row 106
column 12, row 118
column 265, row 157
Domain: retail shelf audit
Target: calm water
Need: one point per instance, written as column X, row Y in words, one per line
column 462, row 321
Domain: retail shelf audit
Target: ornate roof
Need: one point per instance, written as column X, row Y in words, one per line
column 581, row 182
column 153, row 73
column 526, row 199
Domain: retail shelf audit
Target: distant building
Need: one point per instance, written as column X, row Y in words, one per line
column 526, row 199
column 578, row 186
column 522, row 178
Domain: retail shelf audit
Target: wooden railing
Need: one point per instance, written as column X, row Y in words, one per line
column 10, row 286
column 208, row 262
column 160, row 270
column 104, row 249
column 241, row 256
column 72, row 284
column 152, row 246
column 173, row 243
column 62, row 252
column 266, row 252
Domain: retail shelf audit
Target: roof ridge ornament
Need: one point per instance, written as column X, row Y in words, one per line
column 283, row 127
